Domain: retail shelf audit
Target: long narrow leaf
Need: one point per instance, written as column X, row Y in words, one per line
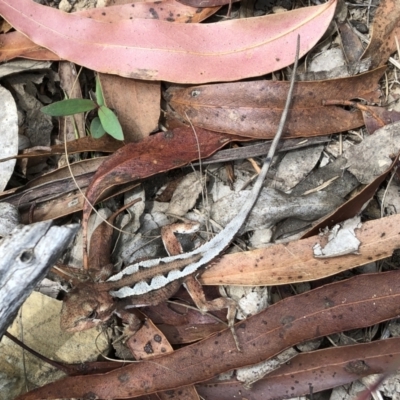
column 160, row 50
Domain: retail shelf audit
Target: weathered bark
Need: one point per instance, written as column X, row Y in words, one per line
column 26, row 255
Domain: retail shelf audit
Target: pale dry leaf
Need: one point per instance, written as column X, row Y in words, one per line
column 342, row 240
column 186, row 194
column 250, row 375
column 9, row 135
column 295, row 166
column 372, row 157
column 9, row 218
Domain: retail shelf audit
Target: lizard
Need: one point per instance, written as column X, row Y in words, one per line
column 150, row 282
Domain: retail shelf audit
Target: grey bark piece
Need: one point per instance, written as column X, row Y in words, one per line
column 26, row 255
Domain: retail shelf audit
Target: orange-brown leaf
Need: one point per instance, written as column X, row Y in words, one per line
column 295, row 262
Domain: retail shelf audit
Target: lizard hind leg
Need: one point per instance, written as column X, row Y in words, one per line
column 196, row 292
column 170, row 241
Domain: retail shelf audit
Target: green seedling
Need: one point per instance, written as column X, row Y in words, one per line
column 106, row 122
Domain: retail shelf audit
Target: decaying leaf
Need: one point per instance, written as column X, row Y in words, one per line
column 318, row 370
column 254, row 108
column 385, row 27
column 137, row 104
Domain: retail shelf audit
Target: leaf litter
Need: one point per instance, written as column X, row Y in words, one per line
column 329, row 196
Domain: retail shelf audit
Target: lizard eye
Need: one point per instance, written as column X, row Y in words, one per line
column 92, row 315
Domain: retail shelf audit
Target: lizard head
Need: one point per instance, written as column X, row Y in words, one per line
column 85, row 307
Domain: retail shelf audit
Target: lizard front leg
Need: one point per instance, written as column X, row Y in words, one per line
column 132, row 323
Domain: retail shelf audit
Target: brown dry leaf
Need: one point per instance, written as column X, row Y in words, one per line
column 36, row 187
column 159, row 50
column 15, row 44
column 137, row 104
column 54, row 195
column 295, row 262
column 377, row 117
column 374, row 117
column 181, row 324
column 354, row 303
column 352, row 45
column 65, row 204
column 254, row 108
column 105, row 144
column 149, row 342
column 385, row 27
column 319, row 370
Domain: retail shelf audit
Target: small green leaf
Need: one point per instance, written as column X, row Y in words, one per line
column 69, row 107
column 99, row 92
column 96, row 129
column 110, row 123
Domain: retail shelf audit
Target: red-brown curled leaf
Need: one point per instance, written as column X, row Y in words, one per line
column 159, row 50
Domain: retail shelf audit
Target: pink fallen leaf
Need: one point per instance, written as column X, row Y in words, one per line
column 15, row 44
column 160, row 50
